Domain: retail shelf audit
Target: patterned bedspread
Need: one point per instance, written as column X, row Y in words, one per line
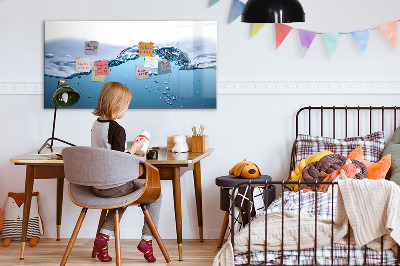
column 323, row 207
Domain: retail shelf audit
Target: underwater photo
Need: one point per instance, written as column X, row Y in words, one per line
column 166, row 64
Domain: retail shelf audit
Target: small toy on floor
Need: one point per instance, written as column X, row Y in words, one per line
column 13, row 215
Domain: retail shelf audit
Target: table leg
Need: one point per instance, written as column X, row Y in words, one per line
column 60, row 190
column 176, row 183
column 199, row 204
column 27, row 206
column 223, row 230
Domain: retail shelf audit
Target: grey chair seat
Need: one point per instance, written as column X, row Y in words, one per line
column 83, row 196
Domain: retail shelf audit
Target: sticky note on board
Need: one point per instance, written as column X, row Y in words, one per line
column 151, row 62
column 98, row 78
column 102, row 67
column 164, row 67
column 91, row 47
column 145, row 48
column 142, row 72
column 82, row 64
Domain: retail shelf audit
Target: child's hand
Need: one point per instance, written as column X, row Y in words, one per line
column 143, row 155
column 137, row 144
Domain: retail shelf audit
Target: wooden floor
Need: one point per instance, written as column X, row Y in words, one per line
column 50, row 252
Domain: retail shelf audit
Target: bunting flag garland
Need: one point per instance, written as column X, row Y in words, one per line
column 361, row 37
column 281, row 31
column 213, row 2
column 256, row 27
column 332, row 41
column 237, row 8
column 389, row 30
column 306, row 39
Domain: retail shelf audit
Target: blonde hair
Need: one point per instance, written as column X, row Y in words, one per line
column 112, row 99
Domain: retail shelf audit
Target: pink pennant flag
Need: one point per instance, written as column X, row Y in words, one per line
column 281, row 31
column 389, row 30
column 306, row 39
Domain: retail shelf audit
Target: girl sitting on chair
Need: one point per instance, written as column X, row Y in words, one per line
column 113, row 103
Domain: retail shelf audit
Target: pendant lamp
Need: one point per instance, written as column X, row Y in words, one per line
column 63, row 97
column 272, row 11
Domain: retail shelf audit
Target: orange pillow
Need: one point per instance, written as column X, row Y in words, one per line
column 375, row 170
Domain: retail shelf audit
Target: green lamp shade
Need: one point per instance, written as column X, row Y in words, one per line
column 65, row 95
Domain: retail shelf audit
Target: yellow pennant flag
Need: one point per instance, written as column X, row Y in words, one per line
column 255, row 28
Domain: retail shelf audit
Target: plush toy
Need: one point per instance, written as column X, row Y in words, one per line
column 296, row 174
column 13, row 215
column 375, row 170
column 180, row 144
column 245, row 169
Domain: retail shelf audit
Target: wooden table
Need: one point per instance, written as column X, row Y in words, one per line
column 170, row 165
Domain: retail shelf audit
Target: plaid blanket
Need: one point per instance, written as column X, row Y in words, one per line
column 323, row 205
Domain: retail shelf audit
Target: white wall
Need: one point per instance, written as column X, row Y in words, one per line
column 258, row 127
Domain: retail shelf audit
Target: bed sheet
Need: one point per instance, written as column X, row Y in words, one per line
column 324, row 206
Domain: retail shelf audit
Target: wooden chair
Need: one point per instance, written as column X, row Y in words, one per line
column 85, row 167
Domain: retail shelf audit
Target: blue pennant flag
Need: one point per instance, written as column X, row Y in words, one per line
column 332, row 41
column 237, row 9
column 361, row 38
column 213, row 2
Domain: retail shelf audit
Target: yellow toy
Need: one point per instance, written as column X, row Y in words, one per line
column 245, row 169
column 296, row 174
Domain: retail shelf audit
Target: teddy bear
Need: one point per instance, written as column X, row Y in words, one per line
column 180, row 144
column 13, row 215
column 245, row 169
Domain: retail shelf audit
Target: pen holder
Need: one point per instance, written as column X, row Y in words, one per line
column 200, row 143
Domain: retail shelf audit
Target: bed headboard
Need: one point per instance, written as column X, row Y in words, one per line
column 344, row 121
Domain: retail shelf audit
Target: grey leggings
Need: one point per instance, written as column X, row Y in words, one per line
column 154, row 208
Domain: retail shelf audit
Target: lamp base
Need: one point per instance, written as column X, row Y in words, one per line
column 50, row 146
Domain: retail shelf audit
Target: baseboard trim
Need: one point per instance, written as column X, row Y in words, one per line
column 259, row 87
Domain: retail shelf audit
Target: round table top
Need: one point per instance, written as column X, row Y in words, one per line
column 230, row 181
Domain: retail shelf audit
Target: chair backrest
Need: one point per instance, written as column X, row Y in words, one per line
column 92, row 166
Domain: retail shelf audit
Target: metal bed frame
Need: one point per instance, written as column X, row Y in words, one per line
column 284, row 184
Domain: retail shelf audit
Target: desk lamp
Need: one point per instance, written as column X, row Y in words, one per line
column 63, row 97
column 273, row 11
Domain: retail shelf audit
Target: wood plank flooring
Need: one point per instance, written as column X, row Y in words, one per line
column 49, row 252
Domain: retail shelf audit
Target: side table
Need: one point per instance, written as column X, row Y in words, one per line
column 228, row 182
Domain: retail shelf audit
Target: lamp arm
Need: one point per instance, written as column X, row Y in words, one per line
column 54, row 126
column 46, row 143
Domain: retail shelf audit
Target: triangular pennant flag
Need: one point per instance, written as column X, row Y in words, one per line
column 332, row 41
column 306, row 39
column 281, row 31
column 237, row 9
column 213, row 2
column 255, row 28
column 361, row 37
column 390, row 32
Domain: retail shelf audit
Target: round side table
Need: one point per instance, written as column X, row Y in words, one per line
column 228, row 182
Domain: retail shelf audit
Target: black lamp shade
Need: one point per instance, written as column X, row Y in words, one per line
column 65, row 95
column 273, row 11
